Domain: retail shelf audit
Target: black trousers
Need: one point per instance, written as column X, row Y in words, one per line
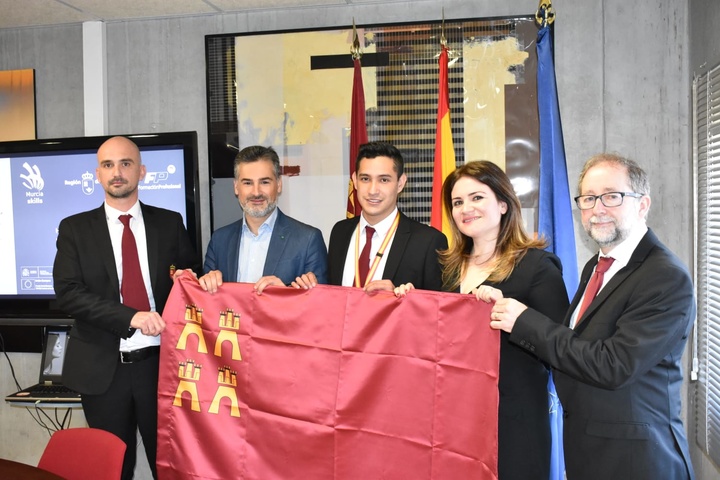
column 128, row 405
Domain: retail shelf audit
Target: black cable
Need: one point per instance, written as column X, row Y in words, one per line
column 12, row 369
column 55, row 424
column 38, row 419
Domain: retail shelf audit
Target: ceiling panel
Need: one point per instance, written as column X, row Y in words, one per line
column 38, row 12
column 24, row 13
column 240, row 5
column 126, row 9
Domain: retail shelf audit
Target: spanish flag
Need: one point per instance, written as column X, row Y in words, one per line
column 444, row 151
column 358, row 135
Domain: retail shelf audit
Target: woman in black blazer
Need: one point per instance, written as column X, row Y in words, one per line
column 491, row 247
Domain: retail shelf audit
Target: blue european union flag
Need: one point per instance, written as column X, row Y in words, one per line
column 555, row 219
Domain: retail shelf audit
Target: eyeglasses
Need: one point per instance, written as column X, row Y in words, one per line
column 609, row 199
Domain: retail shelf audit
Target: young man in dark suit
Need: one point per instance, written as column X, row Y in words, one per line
column 617, row 356
column 402, row 250
column 113, row 352
column 264, row 247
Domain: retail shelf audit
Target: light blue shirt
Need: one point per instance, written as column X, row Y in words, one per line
column 254, row 249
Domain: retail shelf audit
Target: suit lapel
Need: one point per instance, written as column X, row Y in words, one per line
column 152, row 237
column 637, row 258
column 278, row 241
column 337, row 254
column 234, row 254
column 98, row 228
column 399, row 243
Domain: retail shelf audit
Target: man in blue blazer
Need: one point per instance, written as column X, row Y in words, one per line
column 617, row 356
column 264, row 247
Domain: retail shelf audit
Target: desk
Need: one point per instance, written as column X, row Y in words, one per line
column 41, row 404
column 23, row 471
column 58, row 421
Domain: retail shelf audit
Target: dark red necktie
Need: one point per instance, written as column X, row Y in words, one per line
column 364, row 261
column 133, row 287
column 594, row 284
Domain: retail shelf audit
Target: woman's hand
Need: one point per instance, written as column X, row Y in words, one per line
column 488, row 294
column 403, row 289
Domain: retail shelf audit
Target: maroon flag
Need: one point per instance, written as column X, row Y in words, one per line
column 327, row 383
column 358, row 135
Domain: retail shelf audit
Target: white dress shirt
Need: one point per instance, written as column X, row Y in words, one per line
column 381, row 230
column 137, row 225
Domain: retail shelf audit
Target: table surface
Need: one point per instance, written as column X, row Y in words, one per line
column 31, row 404
column 23, row 471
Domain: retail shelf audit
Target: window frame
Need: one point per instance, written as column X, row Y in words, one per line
column 706, row 339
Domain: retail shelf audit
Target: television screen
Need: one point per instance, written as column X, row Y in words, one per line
column 44, row 181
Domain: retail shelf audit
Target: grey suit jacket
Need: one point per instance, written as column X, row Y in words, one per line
column 295, row 248
column 619, row 374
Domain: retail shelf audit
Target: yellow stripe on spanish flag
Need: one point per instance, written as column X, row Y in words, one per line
column 444, row 150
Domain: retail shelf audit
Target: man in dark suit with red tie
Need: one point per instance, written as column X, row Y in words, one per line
column 617, row 357
column 382, row 248
column 113, row 274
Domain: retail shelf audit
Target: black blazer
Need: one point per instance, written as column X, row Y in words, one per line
column 412, row 257
column 87, row 288
column 524, row 440
column 618, row 373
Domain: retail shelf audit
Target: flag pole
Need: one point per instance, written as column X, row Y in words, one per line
column 444, row 160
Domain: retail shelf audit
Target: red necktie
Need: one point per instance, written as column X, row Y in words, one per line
column 133, row 287
column 594, row 284
column 364, row 261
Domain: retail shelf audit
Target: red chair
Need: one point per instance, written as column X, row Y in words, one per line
column 84, row 454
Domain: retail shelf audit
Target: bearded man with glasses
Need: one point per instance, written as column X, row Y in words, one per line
column 617, row 353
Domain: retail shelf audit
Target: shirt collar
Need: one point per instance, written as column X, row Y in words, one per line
column 622, row 252
column 383, row 226
column 113, row 213
column 267, row 225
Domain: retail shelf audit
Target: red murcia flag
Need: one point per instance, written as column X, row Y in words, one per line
column 327, row 383
column 358, row 135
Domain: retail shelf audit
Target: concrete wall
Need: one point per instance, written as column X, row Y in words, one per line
column 704, row 53
column 623, row 80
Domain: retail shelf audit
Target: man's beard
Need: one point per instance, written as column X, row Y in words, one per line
column 258, row 212
column 120, row 192
column 607, row 237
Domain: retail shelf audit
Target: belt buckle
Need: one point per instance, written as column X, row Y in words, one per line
column 122, row 358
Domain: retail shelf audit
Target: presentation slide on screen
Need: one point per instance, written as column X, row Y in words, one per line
column 37, row 192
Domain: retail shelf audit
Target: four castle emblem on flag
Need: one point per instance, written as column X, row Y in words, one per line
column 189, row 371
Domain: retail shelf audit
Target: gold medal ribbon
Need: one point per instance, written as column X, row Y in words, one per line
column 378, row 255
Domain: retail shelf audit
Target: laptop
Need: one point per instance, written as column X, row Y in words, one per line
column 50, row 388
